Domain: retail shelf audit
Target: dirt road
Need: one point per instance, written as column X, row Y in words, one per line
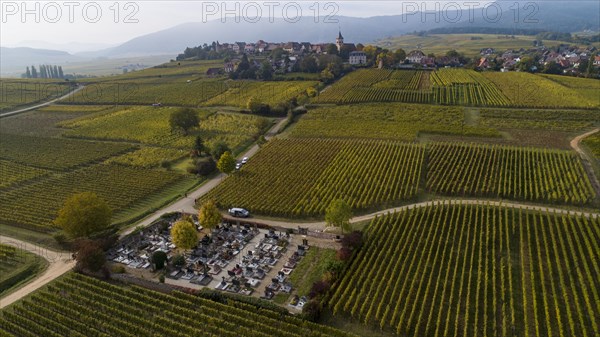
column 587, row 161
column 58, row 264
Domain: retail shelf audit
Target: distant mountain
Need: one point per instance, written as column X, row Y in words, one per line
column 563, row 16
column 14, row 60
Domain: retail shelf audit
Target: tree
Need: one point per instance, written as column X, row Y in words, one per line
column 89, row 256
column 34, row 73
column 309, row 65
column 184, row 120
column 399, row 55
column 199, row 146
column 209, row 215
column 552, row 68
column 28, row 73
column 226, row 163
column 158, row 259
column 254, row 104
column 203, row 166
column 331, row 49
column 327, row 76
column 184, row 234
column 60, row 72
column 266, row 71
column 218, row 149
column 338, row 214
column 83, row 214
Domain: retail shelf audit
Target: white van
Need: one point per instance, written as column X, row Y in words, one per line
column 238, row 212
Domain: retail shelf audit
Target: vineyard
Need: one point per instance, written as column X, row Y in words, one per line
column 148, row 157
column 239, row 92
column 465, row 87
column 176, row 92
column 15, row 93
column 152, row 127
column 301, row 177
column 378, row 85
column 529, row 90
column 475, row 270
column 528, row 119
column 13, row 173
column 508, row 172
column 56, row 153
column 395, row 121
column 82, row 306
column 36, row 205
column 462, row 87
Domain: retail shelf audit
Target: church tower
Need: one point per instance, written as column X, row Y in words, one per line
column 339, row 42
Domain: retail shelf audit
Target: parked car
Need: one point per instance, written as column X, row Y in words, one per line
column 238, row 166
column 244, row 160
column 238, row 212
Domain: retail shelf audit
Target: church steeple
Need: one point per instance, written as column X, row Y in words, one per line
column 339, row 42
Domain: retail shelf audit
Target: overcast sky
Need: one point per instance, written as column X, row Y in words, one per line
column 101, row 22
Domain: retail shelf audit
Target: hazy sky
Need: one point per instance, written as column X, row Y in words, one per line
column 111, row 22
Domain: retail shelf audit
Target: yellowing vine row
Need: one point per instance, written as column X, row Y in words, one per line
column 474, row 270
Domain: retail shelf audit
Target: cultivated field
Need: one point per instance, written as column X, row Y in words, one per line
column 467, row 270
column 35, row 205
column 16, row 93
column 394, row 121
column 239, row 92
column 82, row 306
column 301, row 177
column 460, row 87
column 508, row 172
column 153, row 127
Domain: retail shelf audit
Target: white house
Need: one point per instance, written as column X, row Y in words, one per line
column 415, row 56
column 358, row 57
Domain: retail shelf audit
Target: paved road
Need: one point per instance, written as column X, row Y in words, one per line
column 186, row 204
column 58, row 264
column 33, row 107
column 587, row 161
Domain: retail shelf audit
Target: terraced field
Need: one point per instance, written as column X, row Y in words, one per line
column 473, row 270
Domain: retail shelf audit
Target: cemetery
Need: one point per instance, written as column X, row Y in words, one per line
column 235, row 257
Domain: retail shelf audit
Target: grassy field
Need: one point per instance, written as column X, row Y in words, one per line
column 17, row 266
column 474, row 270
column 108, row 309
column 469, row 44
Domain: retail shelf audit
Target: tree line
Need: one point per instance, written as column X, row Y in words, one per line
column 45, row 71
